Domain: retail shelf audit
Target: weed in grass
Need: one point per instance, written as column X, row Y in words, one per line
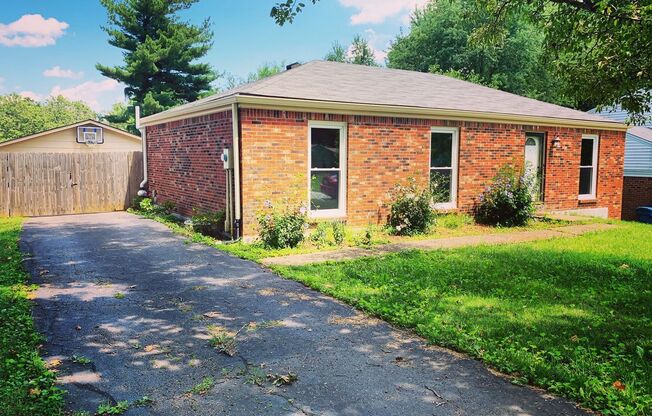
column 119, row 295
column 80, row 359
column 203, row 386
column 106, row 408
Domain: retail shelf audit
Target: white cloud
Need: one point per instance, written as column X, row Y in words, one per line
column 32, row 31
column 99, row 95
column 377, row 11
column 58, row 72
column 379, row 43
column 31, row 94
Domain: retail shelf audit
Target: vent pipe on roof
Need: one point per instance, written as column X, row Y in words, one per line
column 292, row 65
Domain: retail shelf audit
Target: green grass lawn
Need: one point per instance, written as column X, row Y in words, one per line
column 26, row 386
column 573, row 315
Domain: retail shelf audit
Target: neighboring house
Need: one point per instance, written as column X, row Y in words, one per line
column 87, row 136
column 351, row 133
column 637, row 184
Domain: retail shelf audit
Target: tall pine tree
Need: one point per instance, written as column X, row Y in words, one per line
column 160, row 53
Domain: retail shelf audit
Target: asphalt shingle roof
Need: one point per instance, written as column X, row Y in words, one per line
column 348, row 83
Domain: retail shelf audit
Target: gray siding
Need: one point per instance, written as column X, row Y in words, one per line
column 638, row 156
column 618, row 114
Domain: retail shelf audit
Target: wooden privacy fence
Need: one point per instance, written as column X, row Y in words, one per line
column 33, row 184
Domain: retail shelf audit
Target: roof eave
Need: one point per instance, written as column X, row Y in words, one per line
column 69, row 126
column 294, row 104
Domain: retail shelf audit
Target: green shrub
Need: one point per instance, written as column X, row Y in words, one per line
column 135, row 203
column 338, row 230
column 281, row 228
column 508, row 201
column 411, row 210
column 209, row 223
column 147, row 206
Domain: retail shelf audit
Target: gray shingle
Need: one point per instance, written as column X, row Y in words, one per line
column 348, row 83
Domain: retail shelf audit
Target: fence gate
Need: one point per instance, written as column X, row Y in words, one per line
column 33, row 184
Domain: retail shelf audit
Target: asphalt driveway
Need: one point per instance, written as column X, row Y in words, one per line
column 141, row 304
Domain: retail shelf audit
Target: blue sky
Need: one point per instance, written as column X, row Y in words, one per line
column 52, row 46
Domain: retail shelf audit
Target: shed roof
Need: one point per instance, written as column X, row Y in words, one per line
column 367, row 88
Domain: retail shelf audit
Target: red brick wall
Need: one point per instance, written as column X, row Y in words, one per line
column 637, row 191
column 183, row 161
column 384, row 150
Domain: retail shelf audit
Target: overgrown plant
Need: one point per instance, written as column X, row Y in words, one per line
column 282, row 224
column 319, row 237
column 508, row 201
column 412, row 210
column 339, row 232
column 209, row 223
column 147, row 206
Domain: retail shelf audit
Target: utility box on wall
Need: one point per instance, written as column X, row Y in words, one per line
column 227, row 158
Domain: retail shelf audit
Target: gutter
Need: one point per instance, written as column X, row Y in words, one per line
column 236, row 167
column 143, row 136
column 335, row 107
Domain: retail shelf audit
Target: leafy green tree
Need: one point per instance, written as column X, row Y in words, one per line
column 122, row 116
column 602, row 49
column 359, row 52
column 337, row 53
column 160, row 52
column 20, row 116
column 285, row 11
column 266, row 70
column 441, row 40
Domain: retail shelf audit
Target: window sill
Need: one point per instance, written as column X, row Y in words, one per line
column 449, row 206
column 327, row 215
column 587, row 200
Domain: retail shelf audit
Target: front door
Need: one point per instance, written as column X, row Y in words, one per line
column 534, row 163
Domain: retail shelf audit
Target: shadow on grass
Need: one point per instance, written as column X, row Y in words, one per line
column 571, row 315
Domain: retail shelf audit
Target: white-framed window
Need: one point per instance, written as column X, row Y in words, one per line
column 588, row 166
column 444, row 148
column 327, row 168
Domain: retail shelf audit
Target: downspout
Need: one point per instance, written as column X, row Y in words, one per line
column 143, row 137
column 236, row 168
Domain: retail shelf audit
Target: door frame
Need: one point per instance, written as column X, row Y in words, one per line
column 542, row 137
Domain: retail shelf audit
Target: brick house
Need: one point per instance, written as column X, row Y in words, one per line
column 342, row 136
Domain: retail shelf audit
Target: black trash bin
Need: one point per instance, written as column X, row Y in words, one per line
column 644, row 214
